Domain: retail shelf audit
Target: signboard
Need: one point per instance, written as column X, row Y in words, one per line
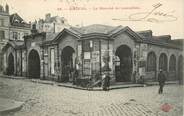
column 87, row 55
column 87, row 67
column 52, row 60
column 142, row 71
column 95, row 56
column 33, row 44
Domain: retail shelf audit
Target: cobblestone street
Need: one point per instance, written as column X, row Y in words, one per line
column 51, row 100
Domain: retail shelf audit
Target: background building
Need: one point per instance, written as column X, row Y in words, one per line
column 18, row 28
column 51, row 24
column 12, row 27
column 4, row 29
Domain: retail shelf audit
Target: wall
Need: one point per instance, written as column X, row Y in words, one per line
column 124, row 39
column 65, row 41
column 168, row 51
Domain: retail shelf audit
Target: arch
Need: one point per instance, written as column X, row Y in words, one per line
column 33, row 64
column 10, row 68
column 180, row 68
column 151, row 61
column 67, row 62
column 172, row 63
column 123, row 69
column 163, row 62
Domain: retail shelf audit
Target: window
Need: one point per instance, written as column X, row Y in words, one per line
column 15, row 35
column 2, row 35
column 25, row 34
column 1, row 22
column 52, row 60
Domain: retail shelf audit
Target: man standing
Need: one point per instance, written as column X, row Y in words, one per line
column 161, row 80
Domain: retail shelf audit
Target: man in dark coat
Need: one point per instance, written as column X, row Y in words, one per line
column 106, row 78
column 161, row 80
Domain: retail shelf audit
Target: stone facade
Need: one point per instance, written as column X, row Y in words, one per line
column 4, row 29
column 12, row 27
column 83, row 49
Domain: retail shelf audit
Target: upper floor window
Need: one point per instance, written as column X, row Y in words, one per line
column 2, row 35
column 1, row 22
column 25, row 34
column 15, row 35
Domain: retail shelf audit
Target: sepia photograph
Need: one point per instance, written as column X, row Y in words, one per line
column 91, row 57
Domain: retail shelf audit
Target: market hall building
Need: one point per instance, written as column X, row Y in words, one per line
column 89, row 49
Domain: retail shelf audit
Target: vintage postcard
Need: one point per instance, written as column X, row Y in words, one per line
column 91, row 57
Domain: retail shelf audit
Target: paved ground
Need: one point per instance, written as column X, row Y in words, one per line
column 50, row 100
column 9, row 105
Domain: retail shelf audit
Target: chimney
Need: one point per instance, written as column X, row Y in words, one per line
column 7, row 8
column 34, row 30
column 47, row 16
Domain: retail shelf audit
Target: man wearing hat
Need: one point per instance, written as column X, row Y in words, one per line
column 161, row 80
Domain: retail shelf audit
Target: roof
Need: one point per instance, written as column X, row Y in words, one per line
column 163, row 40
column 51, row 36
column 16, row 20
column 98, row 30
column 95, row 28
column 145, row 33
column 15, row 44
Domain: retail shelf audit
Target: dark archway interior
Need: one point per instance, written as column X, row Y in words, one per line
column 180, row 69
column 10, row 69
column 34, row 64
column 67, row 62
column 163, row 62
column 124, row 69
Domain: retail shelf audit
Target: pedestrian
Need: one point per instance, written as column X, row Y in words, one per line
column 108, row 81
column 105, row 78
column 75, row 76
column 161, row 80
column 134, row 76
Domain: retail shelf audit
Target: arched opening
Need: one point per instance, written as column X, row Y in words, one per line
column 163, row 62
column 180, row 69
column 172, row 67
column 123, row 69
column 172, row 63
column 34, row 64
column 10, row 69
column 151, row 64
column 67, row 63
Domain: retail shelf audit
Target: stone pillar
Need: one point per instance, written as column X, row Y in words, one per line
column 15, row 63
column 157, row 64
column 58, row 64
column 42, row 70
column 177, row 66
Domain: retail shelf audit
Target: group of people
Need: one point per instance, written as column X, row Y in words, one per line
column 106, row 79
column 138, row 78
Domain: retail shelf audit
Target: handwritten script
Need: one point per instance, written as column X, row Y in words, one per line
column 154, row 15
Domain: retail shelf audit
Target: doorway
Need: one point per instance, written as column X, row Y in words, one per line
column 123, row 70
column 67, row 63
column 34, row 64
column 10, row 69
